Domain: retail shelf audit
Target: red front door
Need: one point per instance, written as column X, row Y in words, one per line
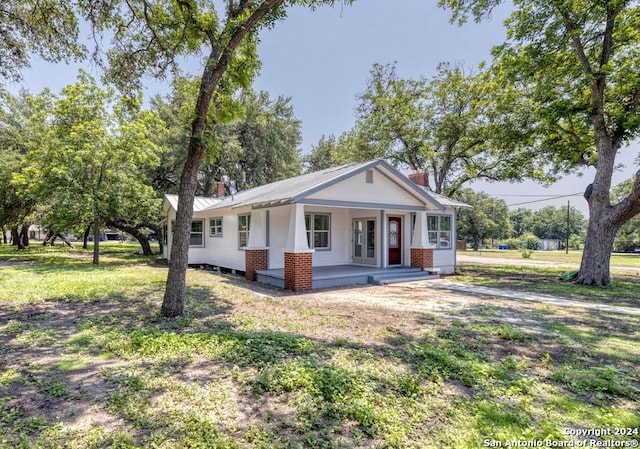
column 395, row 240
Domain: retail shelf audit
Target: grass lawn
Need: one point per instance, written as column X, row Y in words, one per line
column 623, row 291
column 86, row 361
column 573, row 257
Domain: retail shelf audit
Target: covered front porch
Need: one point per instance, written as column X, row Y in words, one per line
column 343, row 275
column 319, row 247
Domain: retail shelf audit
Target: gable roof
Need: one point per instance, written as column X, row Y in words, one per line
column 445, row 200
column 296, row 189
column 200, row 203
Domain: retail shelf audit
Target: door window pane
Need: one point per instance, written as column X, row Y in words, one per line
column 393, row 234
column 371, row 239
column 357, row 236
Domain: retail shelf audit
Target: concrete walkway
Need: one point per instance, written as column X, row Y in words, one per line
column 444, row 284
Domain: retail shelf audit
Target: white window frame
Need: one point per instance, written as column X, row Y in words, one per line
column 312, row 231
column 246, row 231
column 437, row 235
column 215, row 229
column 201, row 220
column 201, row 233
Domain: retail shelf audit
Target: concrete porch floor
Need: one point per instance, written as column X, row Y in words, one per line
column 341, row 275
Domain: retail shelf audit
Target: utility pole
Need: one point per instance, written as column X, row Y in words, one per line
column 568, row 204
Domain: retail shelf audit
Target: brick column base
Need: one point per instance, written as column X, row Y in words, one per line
column 255, row 259
column 298, row 275
column 422, row 258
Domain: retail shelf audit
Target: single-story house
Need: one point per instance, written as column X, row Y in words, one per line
column 357, row 223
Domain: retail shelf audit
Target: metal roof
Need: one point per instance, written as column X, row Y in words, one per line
column 295, row 189
column 446, row 201
column 292, row 189
column 200, row 203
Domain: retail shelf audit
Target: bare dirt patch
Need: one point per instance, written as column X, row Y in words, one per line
column 60, row 378
column 4, row 263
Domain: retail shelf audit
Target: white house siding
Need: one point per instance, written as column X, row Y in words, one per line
column 340, row 252
column 199, row 255
column 340, row 236
column 357, row 190
column 278, row 233
column 171, row 216
column 446, row 258
column 224, row 251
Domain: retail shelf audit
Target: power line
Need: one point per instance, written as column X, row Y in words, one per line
column 523, row 196
column 545, row 199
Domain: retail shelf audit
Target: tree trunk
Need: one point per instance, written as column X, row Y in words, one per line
column 15, row 238
column 4, row 236
column 48, row 240
column 594, row 268
column 217, row 63
column 64, row 240
column 135, row 232
column 159, row 234
column 96, row 241
column 85, row 237
column 24, row 235
column 174, row 296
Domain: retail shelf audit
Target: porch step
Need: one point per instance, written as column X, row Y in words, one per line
column 408, row 275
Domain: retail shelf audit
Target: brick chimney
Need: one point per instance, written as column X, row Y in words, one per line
column 420, row 178
column 220, row 189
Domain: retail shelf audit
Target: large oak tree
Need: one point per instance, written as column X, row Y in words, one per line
column 451, row 125
column 151, row 36
column 86, row 166
column 578, row 64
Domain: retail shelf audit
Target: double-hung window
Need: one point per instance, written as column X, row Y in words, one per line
column 196, row 238
column 439, row 230
column 244, row 224
column 318, row 230
column 215, row 227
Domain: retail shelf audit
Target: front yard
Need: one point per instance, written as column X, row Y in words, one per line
column 87, row 362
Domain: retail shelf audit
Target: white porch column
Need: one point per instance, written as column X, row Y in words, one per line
column 298, row 258
column 257, row 230
column 256, row 253
column 421, row 250
column 297, row 237
column 420, row 235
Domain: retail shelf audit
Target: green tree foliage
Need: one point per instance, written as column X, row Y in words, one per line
column 628, row 237
column 488, row 219
column 332, row 152
column 520, row 219
column 151, row 36
column 47, row 28
column 322, row 155
column 578, row 65
column 19, row 133
column 453, row 126
column 87, row 169
column 259, row 147
column 551, row 223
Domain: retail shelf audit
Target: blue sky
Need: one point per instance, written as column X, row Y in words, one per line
column 321, row 59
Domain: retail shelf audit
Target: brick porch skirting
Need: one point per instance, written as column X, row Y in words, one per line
column 298, row 272
column 422, row 258
column 255, row 259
